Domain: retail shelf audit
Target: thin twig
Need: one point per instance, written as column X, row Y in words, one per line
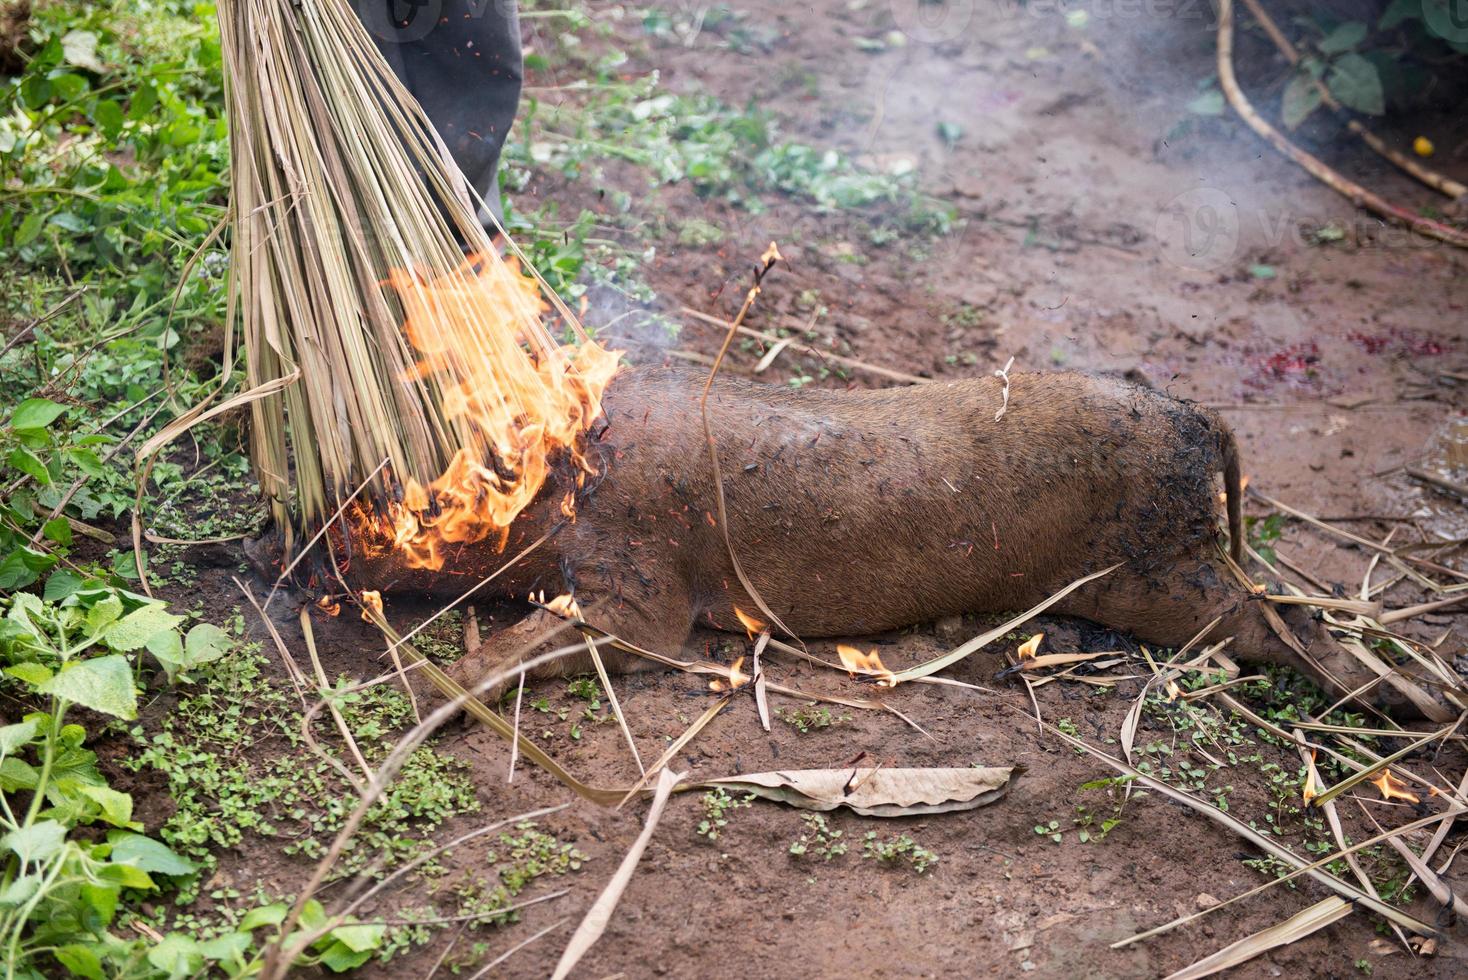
column 1312, row 164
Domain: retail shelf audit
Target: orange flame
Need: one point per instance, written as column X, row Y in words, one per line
column 737, row 678
column 564, row 606
column 371, row 602
column 512, row 399
column 1030, row 647
column 329, row 605
column 751, row 625
column 1393, row 788
column 1243, row 485
column 865, row 664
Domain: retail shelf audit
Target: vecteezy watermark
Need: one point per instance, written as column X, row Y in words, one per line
column 1198, row 229
column 1202, row 229
column 941, row 21
column 1448, row 19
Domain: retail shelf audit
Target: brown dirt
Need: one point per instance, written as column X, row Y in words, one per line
column 1073, row 186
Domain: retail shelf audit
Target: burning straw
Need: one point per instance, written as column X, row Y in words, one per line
column 372, row 298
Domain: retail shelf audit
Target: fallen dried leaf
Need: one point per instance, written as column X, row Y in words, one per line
column 878, row 792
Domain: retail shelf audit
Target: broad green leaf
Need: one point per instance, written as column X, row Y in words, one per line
column 33, row 674
column 1355, row 81
column 127, row 876
column 28, row 463
column 313, row 914
column 265, row 915
column 20, row 891
column 103, row 613
column 102, row 898
column 168, row 648
column 17, row 774
column 177, row 954
column 1343, row 38
column 57, row 529
column 359, row 938
column 37, row 842
column 109, row 117
column 134, row 630
column 1209, row 103
column 35, row 413
column 22, row 567
column 339, row 958
column 231, row 946
column 81, row 961
column 61, row 584
column 103, row 684
column 149, row 854
column 1301, row 98
column 87, row 461
column 117, row 807
column 17, row 736
column 1399, row 11
column 206, row 643
column 29, row 229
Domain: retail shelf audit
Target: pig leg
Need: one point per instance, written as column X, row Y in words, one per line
column 657, row 619
column 1175, row 607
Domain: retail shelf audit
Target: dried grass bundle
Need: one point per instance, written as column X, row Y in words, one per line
column 426, row 380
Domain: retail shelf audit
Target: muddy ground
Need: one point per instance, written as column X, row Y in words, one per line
column 1097, row 235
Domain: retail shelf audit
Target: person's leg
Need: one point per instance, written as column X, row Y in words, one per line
column 461, row 60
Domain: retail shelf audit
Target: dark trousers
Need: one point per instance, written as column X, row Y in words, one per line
column 461, row 60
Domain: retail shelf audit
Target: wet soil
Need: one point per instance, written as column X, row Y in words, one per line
column 1104, row 229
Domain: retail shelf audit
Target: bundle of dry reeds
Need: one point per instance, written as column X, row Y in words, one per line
column 396, row 359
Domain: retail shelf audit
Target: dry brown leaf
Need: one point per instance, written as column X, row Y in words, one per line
column 878, row 792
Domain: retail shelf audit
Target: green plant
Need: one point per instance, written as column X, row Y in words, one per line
column 717, row 804
column 1092, row 826
column 819, row 839
column 810, row 718
column 898, row 848
column 62, row 888
column 1262, row 532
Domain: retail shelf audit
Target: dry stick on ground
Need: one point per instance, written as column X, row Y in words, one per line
column 767, row 262
column 1443, row 894
column 1304, row 923
column 148, row 452
column 850, row 362
column 278, row 957
column 1352, row 763
column 286, row 572
column 1243, row 830
column 51, row 314
column 1312, row 164
column 616, row 706
column 1433, row 479
column 600, row 913
column 1442, row 828
column 1433, row 179
column 1333, row 818
column 326, row 694
column 484, row 971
